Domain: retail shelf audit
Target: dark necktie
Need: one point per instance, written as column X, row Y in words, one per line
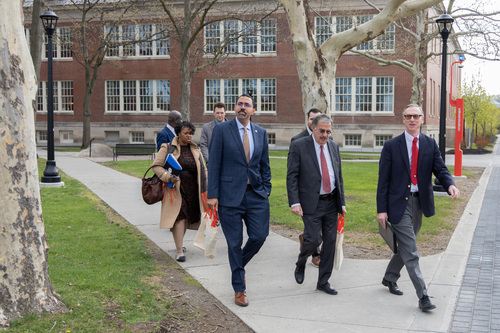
column 324, row 173
column 414, row 161
column 246, row 144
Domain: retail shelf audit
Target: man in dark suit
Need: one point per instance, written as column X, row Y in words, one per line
column 239, row 184
column 316, row 192
column 208, row 128
column 167, row 134
column 307, row 132
column 404, row 192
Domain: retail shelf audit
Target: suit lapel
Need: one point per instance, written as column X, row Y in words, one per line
column 237, row 138
column 404, row 152
column 312, row 151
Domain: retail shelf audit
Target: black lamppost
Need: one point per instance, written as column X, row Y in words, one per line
column 444, row 22
column 50, row 174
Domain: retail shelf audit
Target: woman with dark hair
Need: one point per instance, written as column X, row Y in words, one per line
column 182, row 204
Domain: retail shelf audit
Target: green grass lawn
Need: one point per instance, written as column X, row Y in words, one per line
column 360, row 186
column 95, row 265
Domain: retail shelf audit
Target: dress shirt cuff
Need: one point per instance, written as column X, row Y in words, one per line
column 296, row 204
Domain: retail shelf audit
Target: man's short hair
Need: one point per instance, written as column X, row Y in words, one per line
column 220, row 105
column 413, row 106
column 313, row 110
column 321, row 118
column 254, row 106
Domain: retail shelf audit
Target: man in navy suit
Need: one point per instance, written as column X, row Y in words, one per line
column 404, row 192
column 167, row 134
column 239, row 184
column 315, row 190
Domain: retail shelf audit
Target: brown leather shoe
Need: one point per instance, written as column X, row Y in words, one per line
column 301, row 240
column 240, row 298
column 315, row 261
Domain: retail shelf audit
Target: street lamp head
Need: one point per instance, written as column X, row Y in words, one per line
column 49, row 19
column 460, row 66
column 444, row 22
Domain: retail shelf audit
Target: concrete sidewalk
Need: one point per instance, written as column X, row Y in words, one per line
column 277, row 302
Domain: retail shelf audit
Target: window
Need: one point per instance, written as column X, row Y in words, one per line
column 141, row 40
column 137, row 137
column 138, row 95
column 271, row 138
column 41, row 135
column 325, row 26
column 381, row 139
column 63, row 96
column 241, row 37
column 228, row 90
column 353, row 140
column 66, row 136
column 364, row 94
column 62, row 43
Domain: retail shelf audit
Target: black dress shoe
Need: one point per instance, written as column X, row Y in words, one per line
column 425, row 304
column 327, row 289
column 393, row 287
column 299, row 273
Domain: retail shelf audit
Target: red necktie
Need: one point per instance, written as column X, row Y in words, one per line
column 324, row 173
column 414, row 161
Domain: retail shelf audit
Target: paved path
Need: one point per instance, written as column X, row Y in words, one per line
column 277, row 303
column 478, row 306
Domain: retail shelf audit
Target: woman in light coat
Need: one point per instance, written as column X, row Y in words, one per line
column 183, row 204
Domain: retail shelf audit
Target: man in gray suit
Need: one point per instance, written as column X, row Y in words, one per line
column 316, row 192
column 311, row 114
column 208, row 128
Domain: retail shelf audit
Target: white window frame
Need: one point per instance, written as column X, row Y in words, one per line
column 136, row 136
column 324, row 26
column 265, row 37
column 60, row 99
column 381, row 138
column 136, row 87
column 160, row 48
column 60, row 48
column 271, row 138
column 219, row 92
column 347, row 138
column 378, row 95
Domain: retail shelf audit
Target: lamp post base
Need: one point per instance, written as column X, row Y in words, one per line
column 50, row 174
column 437, row 187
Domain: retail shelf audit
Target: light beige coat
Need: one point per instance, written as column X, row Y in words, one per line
column 171, row 203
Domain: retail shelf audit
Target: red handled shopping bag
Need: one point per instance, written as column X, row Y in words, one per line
column 206, row 237
column 339, row 253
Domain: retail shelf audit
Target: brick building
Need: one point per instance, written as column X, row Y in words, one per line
column 138, row 84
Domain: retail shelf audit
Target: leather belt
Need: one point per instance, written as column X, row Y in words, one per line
column 249, row 186
column 413, row 194
column 328, row 196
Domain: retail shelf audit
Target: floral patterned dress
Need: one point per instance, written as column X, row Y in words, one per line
column 190, row 207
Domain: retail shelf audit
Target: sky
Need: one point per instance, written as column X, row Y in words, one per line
column 488, row 72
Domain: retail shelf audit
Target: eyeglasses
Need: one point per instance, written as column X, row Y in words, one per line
column 322, row 131
column 247, row 105
column 414, row 116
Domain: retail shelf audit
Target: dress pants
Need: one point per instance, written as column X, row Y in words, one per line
column 406, row 234
column 254, row 212
column 322, row 225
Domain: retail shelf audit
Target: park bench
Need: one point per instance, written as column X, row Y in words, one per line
column 127, row 149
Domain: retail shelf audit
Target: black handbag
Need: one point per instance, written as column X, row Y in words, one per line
column 152, row 188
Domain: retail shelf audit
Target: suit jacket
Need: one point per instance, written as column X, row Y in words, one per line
column 228, row 170
column 164, row 136
column 302, row 134
column 394, row 178
column 206, row 135
column 303, row 179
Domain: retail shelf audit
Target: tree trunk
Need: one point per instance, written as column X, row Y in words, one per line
column 90, row 80
column 185, row 87
column 25, row 285
column 36, row 36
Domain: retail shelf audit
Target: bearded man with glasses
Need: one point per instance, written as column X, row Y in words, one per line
column 405, row 192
